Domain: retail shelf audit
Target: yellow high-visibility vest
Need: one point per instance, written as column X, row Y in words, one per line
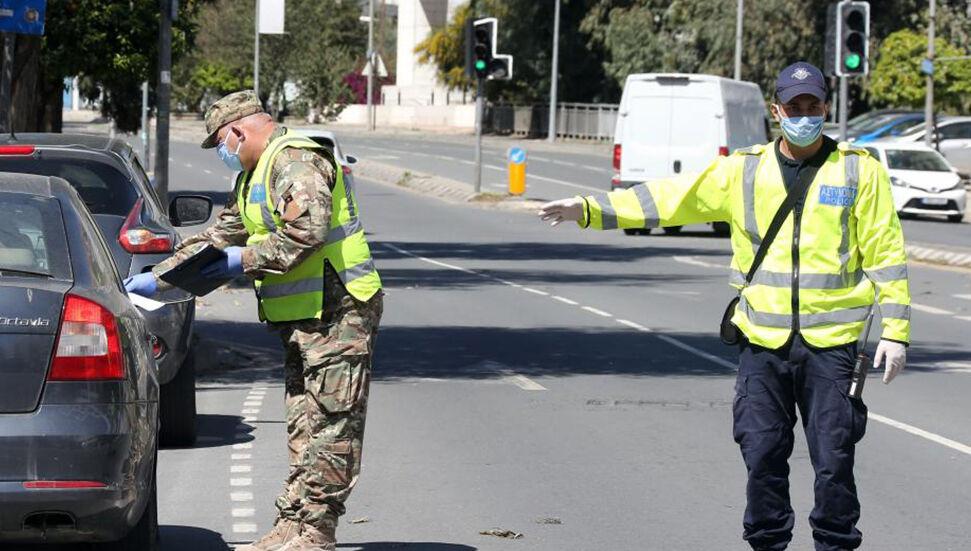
column 850, row 243
column 299, row 293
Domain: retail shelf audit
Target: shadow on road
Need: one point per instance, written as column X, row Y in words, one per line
column 179, row 538
column 213, row 431
column 413, row 545
column 542, row 250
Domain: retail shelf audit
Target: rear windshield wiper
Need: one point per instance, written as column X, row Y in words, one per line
column 17, row 271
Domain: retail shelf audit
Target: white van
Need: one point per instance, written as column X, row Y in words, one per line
column 670, row 124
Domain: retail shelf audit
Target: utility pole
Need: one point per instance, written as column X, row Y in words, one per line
column 6, row 81
column 256, row 51
column 163, row 91
column 929, row 105
column 740, row 13
column 551, row 133
column 370, row 65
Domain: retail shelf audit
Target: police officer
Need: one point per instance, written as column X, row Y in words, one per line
column 292, row 225
column 805, row 309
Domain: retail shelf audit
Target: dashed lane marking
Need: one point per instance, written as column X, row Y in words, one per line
column 965, row 297
column 243, row 446
column 593, row 310
column 565, row 300
column 931, row 309
column 243, row 512
column 240, row 497
column 240, row 482
column 535, row 291
column 247, row 528
column 524, row 382
column 695, row 262
column 239, row 469
column 910, row 429
column 207, row 171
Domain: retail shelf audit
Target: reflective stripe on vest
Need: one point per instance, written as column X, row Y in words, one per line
column 784, row 321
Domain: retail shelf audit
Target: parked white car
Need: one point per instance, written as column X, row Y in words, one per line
column 953, row 141
column 924, row 183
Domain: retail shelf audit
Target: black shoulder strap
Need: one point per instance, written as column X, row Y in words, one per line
column 796, row 193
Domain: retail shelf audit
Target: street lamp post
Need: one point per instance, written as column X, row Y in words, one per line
column 370, row 65
column 739, row 14
column 929, row 102
column 551, row 134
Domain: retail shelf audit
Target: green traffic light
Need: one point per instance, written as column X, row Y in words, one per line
column 853, row 61
column 480, row 65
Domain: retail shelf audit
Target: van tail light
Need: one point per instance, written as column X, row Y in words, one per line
column 617, row 157
column 723, row 151
column 62, row 484
column 17, row 149
column 615, row 181
column 136, row 239
column 88, row 344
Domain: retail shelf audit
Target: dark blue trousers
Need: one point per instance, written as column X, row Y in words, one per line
column 771, row 384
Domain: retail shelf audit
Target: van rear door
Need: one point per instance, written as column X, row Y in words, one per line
column 697, row 126
column 646, row 131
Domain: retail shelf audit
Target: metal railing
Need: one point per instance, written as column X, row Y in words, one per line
column 581, row 121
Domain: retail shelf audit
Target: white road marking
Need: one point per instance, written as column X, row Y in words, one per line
column 253, row 403
column 593, row 310
column 239, row 469
column 697, row 351
column 936, row 438
column 634, row 325
column 207, row 171
column 965, row 297
column 947, row 367
column 250, row 411
column 187, row 165
column 243, row 446
column 524, row 382
column 241, row 456
column 249, row 419
column 240, row 482
column 931, row 309
column 565, row 300
column 241, row 496
column 695, row 262
column 963, row 318
column 243, row 513
column 247, row 528
column 536, row 291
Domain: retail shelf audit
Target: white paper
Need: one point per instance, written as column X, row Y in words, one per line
column 146, row 304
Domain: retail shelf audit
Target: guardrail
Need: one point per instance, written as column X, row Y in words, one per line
column 581, row 121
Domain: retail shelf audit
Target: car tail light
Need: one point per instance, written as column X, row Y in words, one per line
column 158, row 347
column 62, row 484
column 617, row 157
column 17, row 149
column 723, row 151
column 135, row 239
column 88, row 344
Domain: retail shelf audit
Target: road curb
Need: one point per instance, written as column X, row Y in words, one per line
column 446, row 189
column 957, row 258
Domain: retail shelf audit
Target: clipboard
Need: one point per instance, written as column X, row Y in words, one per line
column 188, row 275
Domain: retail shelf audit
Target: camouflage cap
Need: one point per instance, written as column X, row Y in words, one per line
column 228, row 109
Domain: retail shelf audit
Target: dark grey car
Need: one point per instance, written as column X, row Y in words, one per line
column 108, row 176
column 79, row 399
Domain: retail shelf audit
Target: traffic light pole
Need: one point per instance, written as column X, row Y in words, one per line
column 929, row 101
column 844, row 107
column 479, row 109
column 163, row 95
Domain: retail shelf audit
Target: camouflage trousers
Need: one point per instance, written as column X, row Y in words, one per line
column 328, row 373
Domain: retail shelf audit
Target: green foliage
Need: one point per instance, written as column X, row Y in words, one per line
column 897, row 80
column 445, row 49
column 114, row 46
column 323, row 43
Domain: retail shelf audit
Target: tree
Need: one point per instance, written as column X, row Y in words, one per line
column 898, row 81
column 111, row 45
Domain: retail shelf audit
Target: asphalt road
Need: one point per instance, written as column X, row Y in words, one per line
column 562, row 384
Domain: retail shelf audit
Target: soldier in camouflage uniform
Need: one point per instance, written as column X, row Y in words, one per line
column 328, row 359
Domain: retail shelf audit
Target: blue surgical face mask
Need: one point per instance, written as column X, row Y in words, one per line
column 231, row 160
column 801, row 131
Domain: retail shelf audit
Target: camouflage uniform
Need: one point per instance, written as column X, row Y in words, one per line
column 328, row 360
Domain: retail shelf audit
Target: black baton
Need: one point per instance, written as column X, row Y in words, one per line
column 863, row 363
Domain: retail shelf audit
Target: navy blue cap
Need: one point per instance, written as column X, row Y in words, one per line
column 800, row 78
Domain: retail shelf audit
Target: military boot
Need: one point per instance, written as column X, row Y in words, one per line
column 283, row 531
column 313, row 539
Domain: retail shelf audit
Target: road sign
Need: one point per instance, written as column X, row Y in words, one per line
column 927, row 67
column 381, row 70
column 517, row 155
column 517, row 170
column 22, row 16
column 271, row 16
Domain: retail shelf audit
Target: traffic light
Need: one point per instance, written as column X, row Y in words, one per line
column 481, row 59
column 848, row 33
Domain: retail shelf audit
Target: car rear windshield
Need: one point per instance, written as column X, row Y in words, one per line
column 908, row 159
column 32, row 238
column 103, row 188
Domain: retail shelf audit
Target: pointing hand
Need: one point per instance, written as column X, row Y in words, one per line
column 562, row 210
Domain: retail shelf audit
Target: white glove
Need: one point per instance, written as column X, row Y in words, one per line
column 896, row 356
column 562, row 210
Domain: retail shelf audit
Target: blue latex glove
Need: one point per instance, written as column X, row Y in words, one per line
column 229, row 266
column 143, row 284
